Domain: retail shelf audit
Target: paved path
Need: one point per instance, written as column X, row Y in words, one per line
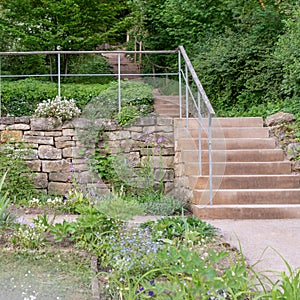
column 260, row 239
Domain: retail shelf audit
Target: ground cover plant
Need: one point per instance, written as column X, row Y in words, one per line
column 177, row 257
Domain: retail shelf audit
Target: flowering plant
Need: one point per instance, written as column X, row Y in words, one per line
column 63, row 109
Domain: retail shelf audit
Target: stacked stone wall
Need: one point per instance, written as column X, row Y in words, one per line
column 59, row 151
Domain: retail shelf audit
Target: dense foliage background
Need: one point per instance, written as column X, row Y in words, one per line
column 246, row 52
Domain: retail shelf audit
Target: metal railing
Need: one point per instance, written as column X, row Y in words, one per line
column 209, row 111
column 185, row 73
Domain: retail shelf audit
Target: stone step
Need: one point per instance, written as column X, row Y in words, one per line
column 223, row 122
column 247, row 211
column 252, row 155
column 240, row 168
column 226, row 132
column 288, row 181
column 228, row 144
column 248, row 196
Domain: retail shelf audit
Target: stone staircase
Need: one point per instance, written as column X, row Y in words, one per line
column 251, row 178
column 127, row 66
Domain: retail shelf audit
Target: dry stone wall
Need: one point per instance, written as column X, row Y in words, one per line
column 61, row 153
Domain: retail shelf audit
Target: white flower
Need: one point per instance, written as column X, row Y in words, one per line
column 58, row 108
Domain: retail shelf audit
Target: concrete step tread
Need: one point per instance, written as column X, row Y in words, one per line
column 226, row 122
column 217, row 206
column 250, row 176
column 266, row 190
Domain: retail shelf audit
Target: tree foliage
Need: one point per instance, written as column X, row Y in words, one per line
column 60, row 24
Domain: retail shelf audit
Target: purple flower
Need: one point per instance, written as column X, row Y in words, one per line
column 151, row 293
column 72, row 169
column 20, row 220
column 160, row 140
column 152, row 281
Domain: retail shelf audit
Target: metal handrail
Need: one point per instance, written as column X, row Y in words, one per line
column 197, row 103
column 182, row 74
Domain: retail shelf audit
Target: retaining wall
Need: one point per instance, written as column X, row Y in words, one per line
column 62, row 152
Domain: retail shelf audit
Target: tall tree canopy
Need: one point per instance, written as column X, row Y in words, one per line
column 67, row 24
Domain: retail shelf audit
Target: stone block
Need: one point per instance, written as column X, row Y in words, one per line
column 69, row 124
column 41, row 180
column 7, row 120
column 34, row 133
column 165, row 121
column 165, row 162
column 126, row 145
column 34, row 165
column 69, row 132
column 80, row 167
column 18, row 127
column 11, row 136
column 145, row 121
column 28, row 154
column 62, row 138
column 167, row 151
column 66, row 144
column 179, row 170
column 2, row 127
column 169, row 187
column 133, row 158
column 169, row 175
column 45, row 124
column 49, row 152
column 79, row 123
column 58, row 188
column 73, row 152
column 53, row 133
column 55, row 166
column 149, row 130
column 164, row 129
column 60, row 176
column 23, row 120
column 86, row 177
column 135, row 129
column 279, row 118
column 41, row 140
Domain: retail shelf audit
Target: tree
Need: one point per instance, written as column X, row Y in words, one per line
column 63, row 24
column 45, row 25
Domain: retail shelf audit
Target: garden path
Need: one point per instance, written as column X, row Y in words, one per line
column 263, row 242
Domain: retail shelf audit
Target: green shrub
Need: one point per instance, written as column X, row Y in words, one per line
column 163, row 206
column 287, row 51
column 88, row 64
column 176, row 229
column 116, row 206
column 237, row 69
column 20, row 98
column 19, row 179
column 131, row 92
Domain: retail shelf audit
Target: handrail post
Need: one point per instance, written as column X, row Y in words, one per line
column 210, row 157
column 58, row 75
column 0, row 86
column 199, row 134
column 119, row 81
column 186, row 97
column 179, row 84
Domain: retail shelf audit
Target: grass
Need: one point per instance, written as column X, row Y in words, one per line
column 47, row 274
